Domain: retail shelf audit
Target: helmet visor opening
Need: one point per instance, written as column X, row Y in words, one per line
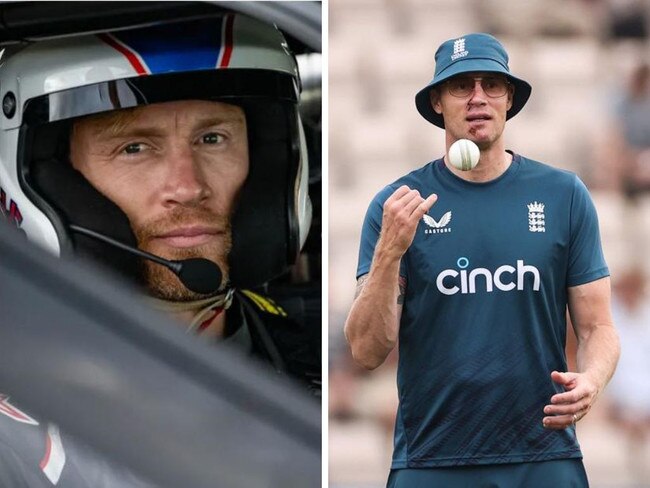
column 144, row 90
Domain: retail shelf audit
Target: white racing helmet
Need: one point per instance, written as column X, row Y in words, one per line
column 45, row 85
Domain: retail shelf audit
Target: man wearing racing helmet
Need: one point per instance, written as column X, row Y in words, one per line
column 478, row 291
column 183, row 141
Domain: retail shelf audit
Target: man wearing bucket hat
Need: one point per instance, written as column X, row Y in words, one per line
column 476, row 289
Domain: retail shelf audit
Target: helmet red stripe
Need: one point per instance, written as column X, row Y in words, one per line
column 129, row 54
column 48, row 451
column 228, row 42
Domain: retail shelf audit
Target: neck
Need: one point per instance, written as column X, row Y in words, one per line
column 216, row 327
column 206, row 316
column 494, row 161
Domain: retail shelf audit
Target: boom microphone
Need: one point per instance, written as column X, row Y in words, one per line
column 197, row 274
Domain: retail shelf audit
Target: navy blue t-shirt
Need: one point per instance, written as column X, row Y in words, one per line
column 484, row 316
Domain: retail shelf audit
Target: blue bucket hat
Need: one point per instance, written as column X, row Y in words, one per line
column 470, row 53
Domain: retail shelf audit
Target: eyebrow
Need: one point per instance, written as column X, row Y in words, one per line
column 132, row 130
column 218, row 120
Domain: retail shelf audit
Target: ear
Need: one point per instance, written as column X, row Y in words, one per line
column 511, row 94
column 434, row 97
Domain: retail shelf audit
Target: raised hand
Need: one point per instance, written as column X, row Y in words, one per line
column 402, row 212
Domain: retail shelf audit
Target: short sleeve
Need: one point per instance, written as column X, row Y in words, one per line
column 586, row 259
column 370, row 231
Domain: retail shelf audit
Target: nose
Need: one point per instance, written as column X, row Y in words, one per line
column 185, row 181
column 478, row 95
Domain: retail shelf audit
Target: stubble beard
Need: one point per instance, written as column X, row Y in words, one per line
column 160, row 281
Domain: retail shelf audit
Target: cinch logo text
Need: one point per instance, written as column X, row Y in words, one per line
column 504, row 278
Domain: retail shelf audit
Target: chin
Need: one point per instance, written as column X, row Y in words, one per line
column 483, row 145
column 164, row 284
column 482, row 140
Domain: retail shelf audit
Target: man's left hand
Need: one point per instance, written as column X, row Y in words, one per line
column 569, row 407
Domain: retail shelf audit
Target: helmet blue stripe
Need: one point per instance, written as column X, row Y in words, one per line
column 176, row 47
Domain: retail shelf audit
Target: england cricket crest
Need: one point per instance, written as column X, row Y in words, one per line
column 536, row 217
column 459, row 49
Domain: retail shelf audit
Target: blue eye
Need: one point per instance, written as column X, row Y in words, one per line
column 212, row 138
column 133, row 148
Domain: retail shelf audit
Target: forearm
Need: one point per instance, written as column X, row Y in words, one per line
column 598, row 353
column 373, row 323
column 598, row 344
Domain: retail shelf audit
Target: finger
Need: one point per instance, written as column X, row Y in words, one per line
column 397, row 194
column 563, row 421
column 581, row 414
column 398, row 205
column 565, row 379
column 412, row 204
column 424, row 206
column 566, row 409
column 428, row 203
column 557, row 422
column 572, row 396
column 408, row 197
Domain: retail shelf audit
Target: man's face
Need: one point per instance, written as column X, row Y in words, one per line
column 175, row 169
column 476, row 116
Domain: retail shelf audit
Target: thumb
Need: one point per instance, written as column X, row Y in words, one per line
column 563, row 378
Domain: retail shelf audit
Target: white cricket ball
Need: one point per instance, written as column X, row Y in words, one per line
column 464, row 154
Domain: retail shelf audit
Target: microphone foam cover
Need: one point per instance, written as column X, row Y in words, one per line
column 200, row 275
